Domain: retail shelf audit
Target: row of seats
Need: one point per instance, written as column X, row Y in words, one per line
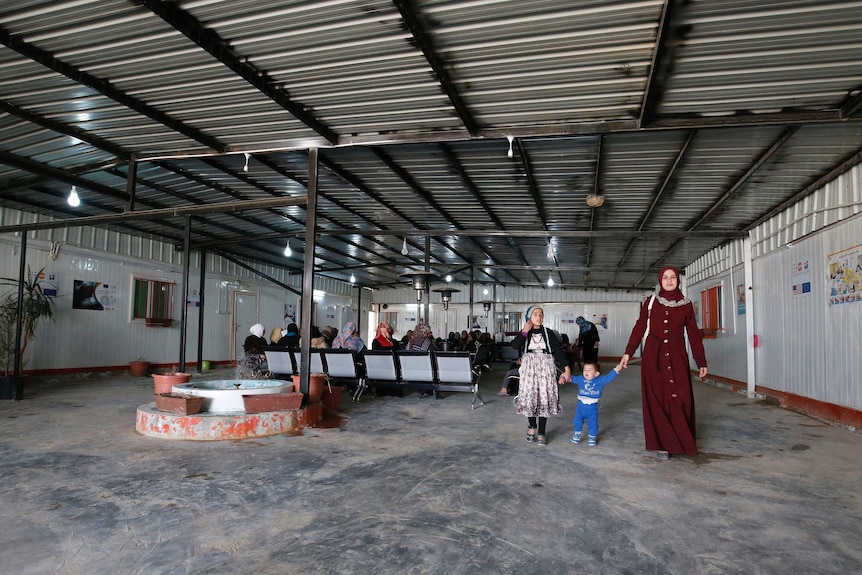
column 429, row 371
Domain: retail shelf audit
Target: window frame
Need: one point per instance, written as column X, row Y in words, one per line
column 149, row 301
column 711, row 312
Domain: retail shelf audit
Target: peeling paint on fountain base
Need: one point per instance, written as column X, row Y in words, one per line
column 152, row 422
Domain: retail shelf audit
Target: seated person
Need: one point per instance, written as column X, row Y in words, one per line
column 289, row 337
column 255, row 343
column 422, row 340
column 318, row 340
column 275, row 336
column 511, row 379
column 484, row 349
column 384, row 337
column 348, row 339
column 254, row 362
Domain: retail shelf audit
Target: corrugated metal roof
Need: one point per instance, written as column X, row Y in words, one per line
column 479, row 124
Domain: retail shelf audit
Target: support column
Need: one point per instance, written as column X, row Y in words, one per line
column 749, row 315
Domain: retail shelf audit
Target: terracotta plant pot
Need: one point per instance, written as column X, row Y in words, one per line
column 331, row 398
column 271, row 402
column 180, row 404
column 164, row 382
column 139, row 368
column 316, row 383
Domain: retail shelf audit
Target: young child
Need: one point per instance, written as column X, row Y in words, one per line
column 590, row 386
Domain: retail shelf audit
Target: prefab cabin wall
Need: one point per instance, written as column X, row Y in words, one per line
column 806, row 346
column 86, row 339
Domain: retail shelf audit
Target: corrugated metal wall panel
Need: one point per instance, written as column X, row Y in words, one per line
column 837, row 200
column 725, row 354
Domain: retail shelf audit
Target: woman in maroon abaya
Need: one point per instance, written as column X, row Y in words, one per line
column 668, row 402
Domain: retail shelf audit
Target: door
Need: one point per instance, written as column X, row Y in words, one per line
column 244, row 311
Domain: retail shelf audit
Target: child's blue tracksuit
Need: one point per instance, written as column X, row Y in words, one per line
column 589, row 393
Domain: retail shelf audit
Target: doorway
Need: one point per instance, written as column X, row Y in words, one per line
column 245, row 312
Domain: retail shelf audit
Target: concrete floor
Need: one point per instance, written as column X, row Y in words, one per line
column 410, row 485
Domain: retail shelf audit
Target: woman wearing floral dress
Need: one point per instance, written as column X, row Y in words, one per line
column 538, row 395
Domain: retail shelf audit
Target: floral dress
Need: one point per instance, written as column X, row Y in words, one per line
column 538, row 393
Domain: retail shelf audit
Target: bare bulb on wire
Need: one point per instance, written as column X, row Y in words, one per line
column 73, row 199
column 511, row 152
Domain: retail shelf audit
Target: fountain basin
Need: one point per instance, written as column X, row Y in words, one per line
column 225, row 395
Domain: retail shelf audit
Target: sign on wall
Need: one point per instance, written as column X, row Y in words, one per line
column 844, row 273
column 96, row 296
column 800, row 278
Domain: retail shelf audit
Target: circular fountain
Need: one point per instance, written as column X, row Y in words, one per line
column 223, row 414
column 225, row 395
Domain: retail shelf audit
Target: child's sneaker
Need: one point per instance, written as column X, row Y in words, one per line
column 576, row 438
column 591, row 440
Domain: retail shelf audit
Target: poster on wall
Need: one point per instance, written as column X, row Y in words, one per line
column 96, row 296
column 740, row 299
column 49, row 283
column 800, row 278
column 194, row 299
column 844, row 273
column 329, row 315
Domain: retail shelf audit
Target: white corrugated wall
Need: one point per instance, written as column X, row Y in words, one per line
column 806, row 347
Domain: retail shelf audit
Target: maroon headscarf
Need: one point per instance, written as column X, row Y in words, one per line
column 675, row 295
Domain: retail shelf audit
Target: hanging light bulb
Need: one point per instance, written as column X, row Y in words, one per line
column 404, row 250
column 247, row 157
column 448, row 279
column 352, row 279
column 73, row 199
column 550, row 281
column 511, row 152
column 287, row 251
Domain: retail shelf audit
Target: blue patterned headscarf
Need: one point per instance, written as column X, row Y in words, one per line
column 348, row 339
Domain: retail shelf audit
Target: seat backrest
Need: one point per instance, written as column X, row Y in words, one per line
column 380, row 365
column 453, row 367
column 279, row 362
column 416, row 366
column 316, row 360
column 340, row 363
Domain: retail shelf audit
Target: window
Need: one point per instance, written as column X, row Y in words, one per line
column 391, row 317
column 152, row 300
column 711, row 310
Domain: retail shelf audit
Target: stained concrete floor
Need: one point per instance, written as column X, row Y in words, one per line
column 410, row 485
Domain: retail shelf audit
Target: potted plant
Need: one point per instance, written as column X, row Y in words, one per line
column 139, row 367
column 164, row 382
column 35, row 306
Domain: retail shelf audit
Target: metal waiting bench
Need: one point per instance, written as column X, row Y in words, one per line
column 428, row 371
